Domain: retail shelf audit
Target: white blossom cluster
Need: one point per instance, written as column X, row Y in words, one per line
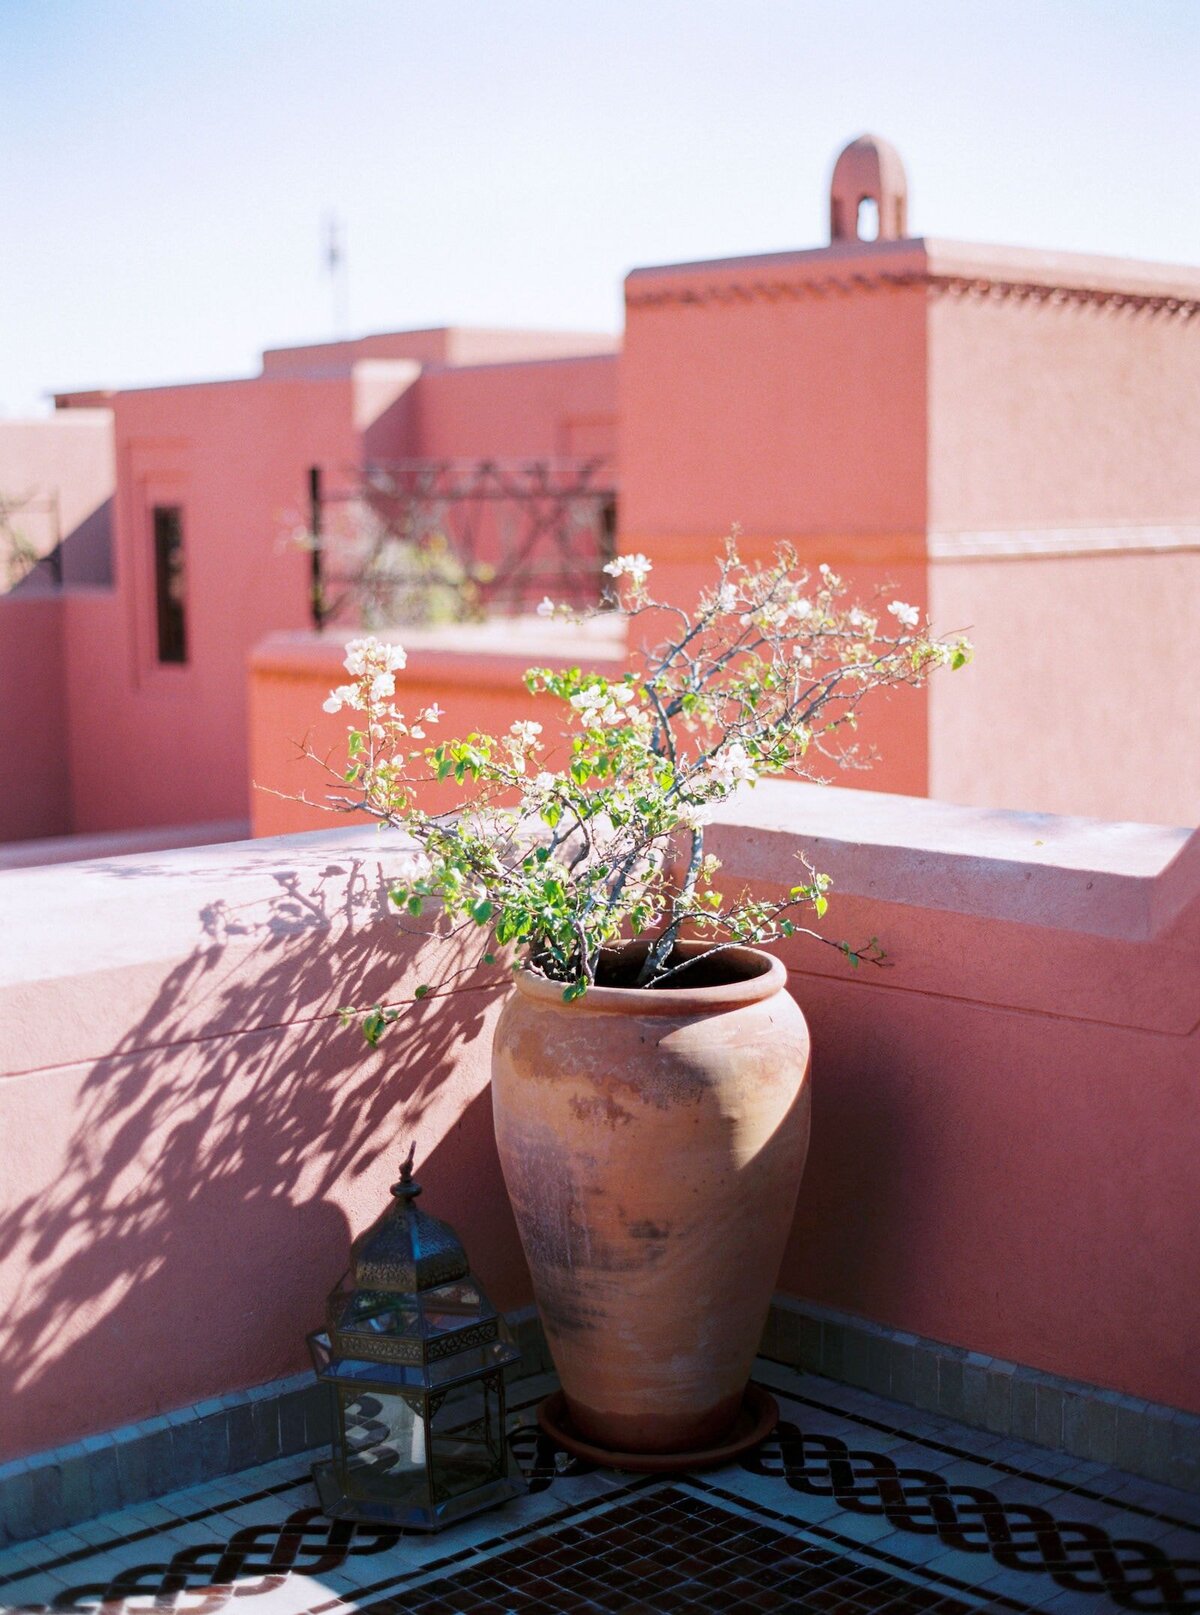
column 771, row 666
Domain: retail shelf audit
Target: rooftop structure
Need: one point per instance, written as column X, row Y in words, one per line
column 983, row 1340
column 1002, row 436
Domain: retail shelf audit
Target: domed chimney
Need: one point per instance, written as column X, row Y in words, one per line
column 868, row 195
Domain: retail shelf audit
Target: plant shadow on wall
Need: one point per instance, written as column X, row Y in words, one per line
column 195, row 1220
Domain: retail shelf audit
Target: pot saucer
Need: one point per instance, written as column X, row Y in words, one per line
column 758, row 1417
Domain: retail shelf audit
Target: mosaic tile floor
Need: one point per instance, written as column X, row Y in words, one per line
column 854, row 1505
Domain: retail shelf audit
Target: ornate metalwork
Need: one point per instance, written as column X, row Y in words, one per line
column 431, row 541
column 405, row 1251
column 376, row 1348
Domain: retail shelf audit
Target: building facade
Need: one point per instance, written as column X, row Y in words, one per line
column 1006, row 438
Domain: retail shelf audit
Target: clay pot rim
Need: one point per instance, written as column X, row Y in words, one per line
column 667, row 1001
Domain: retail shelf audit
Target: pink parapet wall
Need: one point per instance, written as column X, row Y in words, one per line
column 1005, row 1125
column 474, row 671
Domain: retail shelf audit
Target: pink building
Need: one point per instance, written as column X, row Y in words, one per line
column 1005, row 437
column 141, row 685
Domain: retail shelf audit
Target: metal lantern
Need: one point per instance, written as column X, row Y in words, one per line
column 414, row 1356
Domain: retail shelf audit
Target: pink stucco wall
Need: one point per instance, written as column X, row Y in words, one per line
column 786, row 394
column 155, row 744
column 556, row 407
column 1083, row 684
column 1064, row 510
column 475, row 673
column 1055, row 411
column 64, row 465
column 440, row 345
column 35, row 782
column 1004, row 1121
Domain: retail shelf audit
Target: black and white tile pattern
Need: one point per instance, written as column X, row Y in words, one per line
column 855, row 1504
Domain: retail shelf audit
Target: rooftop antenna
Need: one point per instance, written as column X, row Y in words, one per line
column 334, row 258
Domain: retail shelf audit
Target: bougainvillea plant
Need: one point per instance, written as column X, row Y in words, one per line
column 564, row 852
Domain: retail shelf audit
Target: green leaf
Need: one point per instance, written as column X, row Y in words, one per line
column 414, row 905
column 820, row 904
column 489, row 958
column 422, row 992
column 482, row 911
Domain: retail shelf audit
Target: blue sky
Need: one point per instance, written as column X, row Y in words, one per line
column 167, row 163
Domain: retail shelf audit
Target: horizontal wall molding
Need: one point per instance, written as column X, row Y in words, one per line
column 1024, row 543
column 1159, row 1443
column 708, row 291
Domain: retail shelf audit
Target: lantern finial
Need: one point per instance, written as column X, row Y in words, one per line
column 406, row 1189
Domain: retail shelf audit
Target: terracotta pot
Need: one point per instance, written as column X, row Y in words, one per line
column 652, row 1142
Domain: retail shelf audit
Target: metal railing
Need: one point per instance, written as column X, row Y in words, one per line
column 458, row 540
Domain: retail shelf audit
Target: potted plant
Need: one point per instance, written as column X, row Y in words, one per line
column 650, row 1068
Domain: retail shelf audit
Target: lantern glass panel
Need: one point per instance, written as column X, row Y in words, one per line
column 383, row 1446
column 466, row 1440
column 375, row 1311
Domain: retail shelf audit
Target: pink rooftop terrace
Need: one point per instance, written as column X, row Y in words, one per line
column 1002, row 1190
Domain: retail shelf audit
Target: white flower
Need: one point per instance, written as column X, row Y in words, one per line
column 525, row 733
column 417, row 733
column 382, row 685
column 545, row 782
column 346, row 695
column 908, row 616
column 433, row 714
column 371, row 655
column 800, row 608
column 636, row 568
column 605, row 705
column 731, row 767
column 546, row 608
column 694, row 814
column 727, row 597
column 768, row 616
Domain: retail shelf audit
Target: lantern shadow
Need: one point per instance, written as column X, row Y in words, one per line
column 221, row 1153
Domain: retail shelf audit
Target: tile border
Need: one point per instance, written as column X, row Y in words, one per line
column 65, row 1486
column 1007, row 1399
column 50, row 1491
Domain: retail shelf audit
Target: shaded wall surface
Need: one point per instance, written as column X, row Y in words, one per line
column 35, row 781
column 60, row 473
column 1005, row 1121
